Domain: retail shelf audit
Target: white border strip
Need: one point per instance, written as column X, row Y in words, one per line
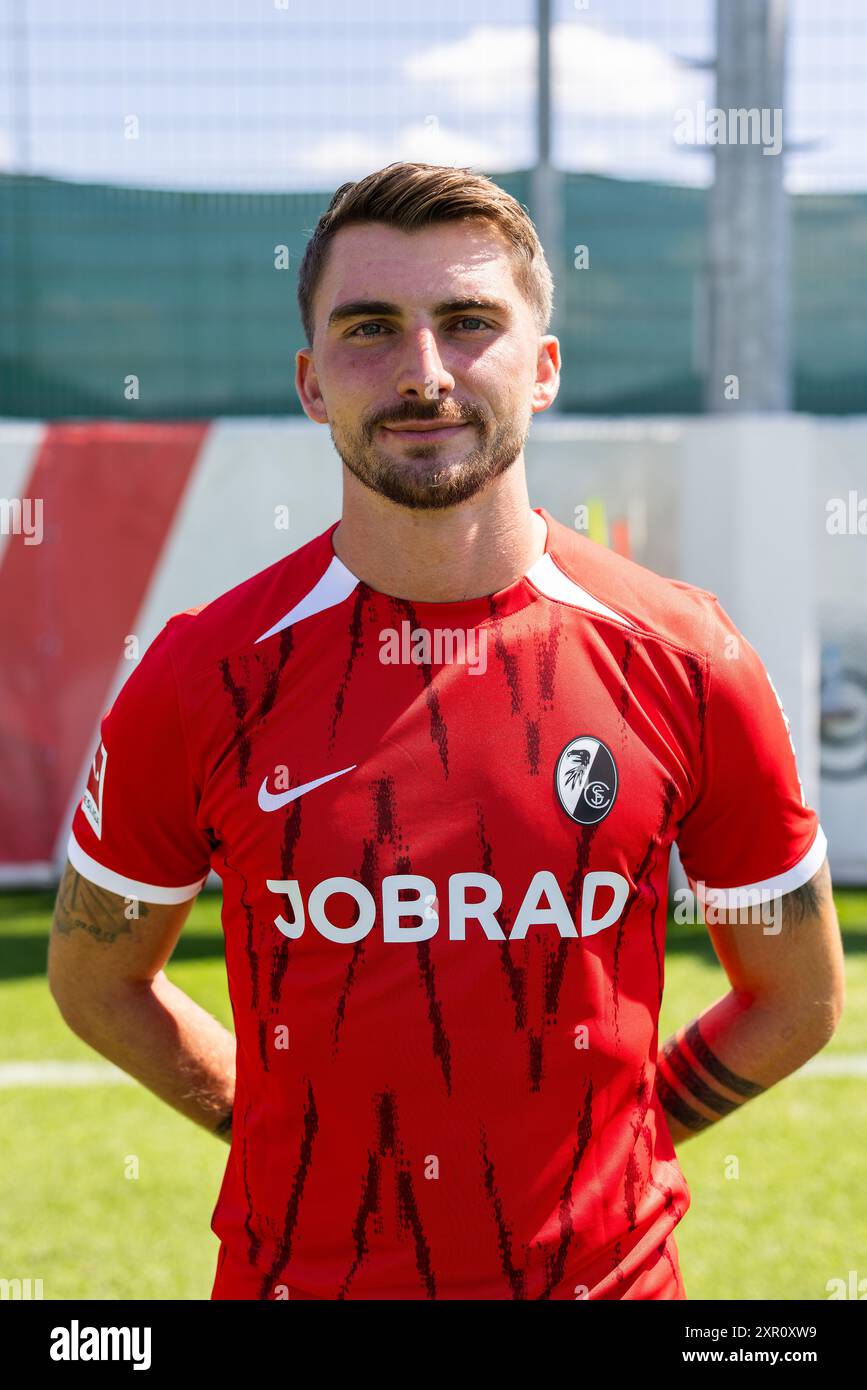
column 19, row 1075
column 555, row 584
column 15, row 1074
column 334, row 587
column 38, row 875
column 751, row 893
column 838, row 1064
column 126, row 887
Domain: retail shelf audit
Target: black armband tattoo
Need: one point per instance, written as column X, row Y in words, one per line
column 672, row 1103
column 677, row 1065
column 692, row 1082
column 715, row 1068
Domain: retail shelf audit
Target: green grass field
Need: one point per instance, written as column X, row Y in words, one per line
column 72, row 1216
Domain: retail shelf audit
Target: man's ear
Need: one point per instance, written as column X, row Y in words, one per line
column 307, row 386
column 547, row 382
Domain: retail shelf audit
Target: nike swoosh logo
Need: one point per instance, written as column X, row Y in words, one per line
column 271, row 801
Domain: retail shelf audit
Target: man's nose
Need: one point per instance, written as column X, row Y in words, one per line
column 422, row 372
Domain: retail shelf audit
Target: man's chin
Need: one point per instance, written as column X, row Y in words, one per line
column 430, row 496
column 425, row 488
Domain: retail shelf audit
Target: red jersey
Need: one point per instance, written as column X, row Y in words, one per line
column 443, row 832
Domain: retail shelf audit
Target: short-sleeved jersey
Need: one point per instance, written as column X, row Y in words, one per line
column 443, row 832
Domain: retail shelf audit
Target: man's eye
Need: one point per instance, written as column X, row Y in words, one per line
column 370, row 323
column 359, row 331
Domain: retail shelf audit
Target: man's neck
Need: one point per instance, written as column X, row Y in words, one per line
column 475, row 548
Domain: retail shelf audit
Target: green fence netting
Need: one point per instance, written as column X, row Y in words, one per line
column 100, row 284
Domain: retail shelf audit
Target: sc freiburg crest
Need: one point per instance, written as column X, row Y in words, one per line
column 586, row 780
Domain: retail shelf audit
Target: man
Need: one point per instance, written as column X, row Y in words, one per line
column 438, row 757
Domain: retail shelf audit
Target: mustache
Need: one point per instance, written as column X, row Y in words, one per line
column 415, row 410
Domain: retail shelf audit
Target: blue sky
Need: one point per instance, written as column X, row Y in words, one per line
column 284, row 95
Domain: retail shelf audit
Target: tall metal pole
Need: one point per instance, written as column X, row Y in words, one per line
column 749, row 278
column 546, row 193
column 20, row 89
column 20, row 281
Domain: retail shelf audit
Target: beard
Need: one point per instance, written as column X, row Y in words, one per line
column 425, row 476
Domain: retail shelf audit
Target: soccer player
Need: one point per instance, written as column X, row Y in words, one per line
column 438, row 757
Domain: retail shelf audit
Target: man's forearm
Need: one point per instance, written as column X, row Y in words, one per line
column 730, row 1054
column 159, row 1035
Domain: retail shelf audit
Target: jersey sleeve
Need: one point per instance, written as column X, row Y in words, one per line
column 134, row 831
column 749, row 834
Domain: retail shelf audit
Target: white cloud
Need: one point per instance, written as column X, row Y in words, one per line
column 595, row 73
column 346, row 154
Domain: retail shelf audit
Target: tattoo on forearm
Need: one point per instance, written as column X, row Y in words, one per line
column 716, row 1068
column 689, row 1078
column 82, row 906
column 679, row 1081
column 674, row 1106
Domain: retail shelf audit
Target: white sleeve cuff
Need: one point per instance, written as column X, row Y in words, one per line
column 126, row 887
column 751, row 894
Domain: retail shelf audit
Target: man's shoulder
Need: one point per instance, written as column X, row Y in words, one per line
column 237, row 619
column 669, row 610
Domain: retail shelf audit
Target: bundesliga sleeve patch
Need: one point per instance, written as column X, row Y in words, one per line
column 91, row 801
column 586, row 780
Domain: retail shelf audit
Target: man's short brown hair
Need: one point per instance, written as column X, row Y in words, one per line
column 410, row 196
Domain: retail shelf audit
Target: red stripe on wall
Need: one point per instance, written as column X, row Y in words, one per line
column 109, row 493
